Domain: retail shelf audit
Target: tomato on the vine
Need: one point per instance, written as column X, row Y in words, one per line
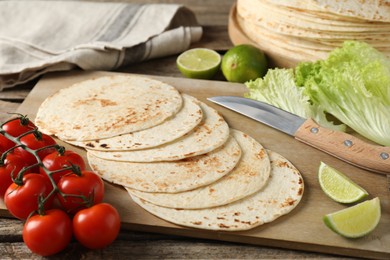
column 23, row 199
column 35, row 141
column 49, row 233
column 18, row 126
column 11, row 166
column 88, row 184
column 97, row 226
column 61, row 159
column 5, row 144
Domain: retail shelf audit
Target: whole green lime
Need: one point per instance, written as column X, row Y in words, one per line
column 243, row 63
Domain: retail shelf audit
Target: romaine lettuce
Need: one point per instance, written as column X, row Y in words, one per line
column 352, row 84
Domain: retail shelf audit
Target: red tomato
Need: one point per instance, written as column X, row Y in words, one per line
column 12, row 165
column 58, row 160
column 97, row 226
column 5, row 144
column 48, row 234
column 18, row 126
column 22, row 200
column 88, row 184
column 34, row 142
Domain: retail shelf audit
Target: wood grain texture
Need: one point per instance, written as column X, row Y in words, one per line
column 345, row 147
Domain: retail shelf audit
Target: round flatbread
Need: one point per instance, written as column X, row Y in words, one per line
column 174, row 176
column 106, row 107
column 248, row 177
column 281, row 195
column 183, row 122
column 210, row 134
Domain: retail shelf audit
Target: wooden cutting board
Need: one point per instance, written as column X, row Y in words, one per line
column 302, row 229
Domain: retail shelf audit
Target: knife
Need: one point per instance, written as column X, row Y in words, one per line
column 341, row 145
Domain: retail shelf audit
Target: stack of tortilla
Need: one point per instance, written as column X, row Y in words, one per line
column 307, row 30
column 176, row 156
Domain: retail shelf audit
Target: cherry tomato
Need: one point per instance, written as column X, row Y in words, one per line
column 12, row 165
column 18, row 126
column 35, row 141
column 22, row 200
column 48, row 234
column 5, row 144
column 58, row 160
column 88, row 184
column 97, row 226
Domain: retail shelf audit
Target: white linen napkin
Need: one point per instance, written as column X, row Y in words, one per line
column 37, row 37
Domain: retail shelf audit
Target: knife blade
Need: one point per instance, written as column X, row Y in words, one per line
column 341, row 145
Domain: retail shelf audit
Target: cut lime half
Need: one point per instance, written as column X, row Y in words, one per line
column 338, row 186
column 199, row 63
column 355, row 221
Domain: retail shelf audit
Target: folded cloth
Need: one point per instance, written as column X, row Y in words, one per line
column 37, row 37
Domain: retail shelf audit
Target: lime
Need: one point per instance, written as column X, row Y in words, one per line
column 243, row 63
column 338, row 186
column 355, row 221
column 199, row 63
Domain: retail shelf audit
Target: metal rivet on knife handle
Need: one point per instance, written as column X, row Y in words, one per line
column 348, row 143
column 384, row 156
column 314, row 130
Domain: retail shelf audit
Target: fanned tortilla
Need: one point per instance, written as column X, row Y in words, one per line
column 183, row 122
column 248, row 177
column 211, row 133
column 107, row 106
column 173, row 176
column 281, row 195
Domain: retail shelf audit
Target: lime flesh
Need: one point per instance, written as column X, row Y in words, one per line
column 199, row 63
column 338, row 186
column 355, row 221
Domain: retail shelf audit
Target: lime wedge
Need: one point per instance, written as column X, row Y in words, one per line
column 199, row 63
column 355, row 221
column 338, row 186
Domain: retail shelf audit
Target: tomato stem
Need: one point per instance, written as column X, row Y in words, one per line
column 86, row 201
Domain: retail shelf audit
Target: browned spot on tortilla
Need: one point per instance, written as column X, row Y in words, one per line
column 300, row 191
column 261, row 154
column 221, row 225
column 197, row 223
column 282, row 164
column 288, row 202
column 90, row 145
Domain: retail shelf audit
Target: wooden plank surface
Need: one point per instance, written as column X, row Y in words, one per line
column 302, row 229
column 213, row 16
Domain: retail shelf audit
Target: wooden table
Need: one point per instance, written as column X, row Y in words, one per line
column 213, row 16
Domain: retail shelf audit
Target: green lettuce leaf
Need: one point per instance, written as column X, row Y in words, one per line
column 278, row 88
column 353, row 85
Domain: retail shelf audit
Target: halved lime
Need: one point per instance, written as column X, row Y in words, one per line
column 199, row 63
column 355, row 221
column 338, row 186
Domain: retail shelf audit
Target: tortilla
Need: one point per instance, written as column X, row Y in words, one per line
column 281, row 195
column 210, row 134
column 248, row 177
column 308, row 30
column 173, row 176
column 106, row 107
column 357, row 9
column 184, row 121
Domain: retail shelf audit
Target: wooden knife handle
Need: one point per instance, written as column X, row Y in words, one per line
column 345, row 147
